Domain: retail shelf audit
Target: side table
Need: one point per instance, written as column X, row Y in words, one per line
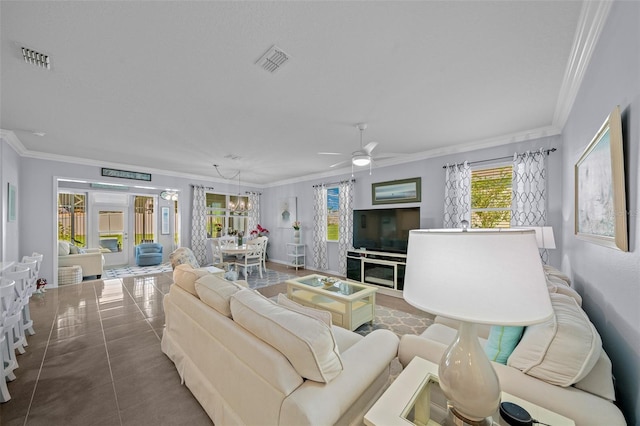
column 416, row 398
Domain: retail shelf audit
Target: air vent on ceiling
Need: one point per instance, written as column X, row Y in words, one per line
column 273, row 59
column 36, row 58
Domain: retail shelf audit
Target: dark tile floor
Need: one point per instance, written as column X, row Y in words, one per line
column 96, row 359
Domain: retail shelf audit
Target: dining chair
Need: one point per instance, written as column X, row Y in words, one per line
column 263, row 241
column 4, row 391
column 219, row 258
column 20, row 276
column 26, row 293
column 9, row 318
column 252, row 257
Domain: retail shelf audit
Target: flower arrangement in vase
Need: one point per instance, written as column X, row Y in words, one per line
column 259, row 232
column 296, row 231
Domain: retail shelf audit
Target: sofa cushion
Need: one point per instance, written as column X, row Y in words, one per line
column 501, row 342
column 556, row 285
column 73, row 249
column 562, row 350
column 216, row 292
column 181, row 256
column 599, row 381
column 185, row 276
column 321, row 314
column 63, row 248
column 307, row 342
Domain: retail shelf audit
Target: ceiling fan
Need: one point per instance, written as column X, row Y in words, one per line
column 363, row 156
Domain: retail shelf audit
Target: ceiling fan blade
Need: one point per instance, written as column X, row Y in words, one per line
column 370, row 147
column 330, row 153
column 340, row 163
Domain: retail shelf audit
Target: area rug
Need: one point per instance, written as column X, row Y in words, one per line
column 398, row 322
column 131, row 271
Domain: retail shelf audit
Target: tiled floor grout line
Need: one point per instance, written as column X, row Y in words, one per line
column 141, row 311
column 44, row 355
column 106, row 349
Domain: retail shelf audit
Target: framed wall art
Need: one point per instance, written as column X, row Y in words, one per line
column 11, row 203
column 287, row 212
column 165, row 221
column 396, row 191
column 600, row 200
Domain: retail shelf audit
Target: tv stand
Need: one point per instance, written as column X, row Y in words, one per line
column 381, row 269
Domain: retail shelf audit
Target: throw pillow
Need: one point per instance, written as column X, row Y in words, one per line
column 73, row 249
column 181, row 256
column 321, row 314
column 82, row 250
column 502, row 341
column 308, row 343
column 63, row 248
column 562, row 350
column 216, row 292
column 185, row 276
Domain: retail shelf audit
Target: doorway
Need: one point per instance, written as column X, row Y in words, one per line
column 113, row 235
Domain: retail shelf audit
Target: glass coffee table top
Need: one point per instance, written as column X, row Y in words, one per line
column 334, row 285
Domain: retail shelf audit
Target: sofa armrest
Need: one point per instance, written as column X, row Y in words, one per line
column 364, row 363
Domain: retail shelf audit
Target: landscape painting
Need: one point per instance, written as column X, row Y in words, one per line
column 600, row 201
column 396, row 191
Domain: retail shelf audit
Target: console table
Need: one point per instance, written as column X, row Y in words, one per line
column 381, row 269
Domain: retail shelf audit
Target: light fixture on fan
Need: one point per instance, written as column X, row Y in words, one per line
column 169, row 195
column 362, row 157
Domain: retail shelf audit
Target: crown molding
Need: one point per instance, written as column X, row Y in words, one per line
column 590, row 23
column 13, row 141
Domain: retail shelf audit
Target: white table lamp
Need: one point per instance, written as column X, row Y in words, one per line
column 476, row 277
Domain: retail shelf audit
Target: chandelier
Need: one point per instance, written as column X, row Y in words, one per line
column 239, row 206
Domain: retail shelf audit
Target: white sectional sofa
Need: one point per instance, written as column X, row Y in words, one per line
column 250, row 360
column 90, row 260
column 559, row 365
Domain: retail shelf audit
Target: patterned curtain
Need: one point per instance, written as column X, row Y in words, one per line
column 254, row 210
column 345, row 213
column 457, row 195
column 320, row 227
column 529, row 201
column 199, row 225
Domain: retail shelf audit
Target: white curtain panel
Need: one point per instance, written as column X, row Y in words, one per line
column 345, row 224
column 254, row 210
column 199, row 225
column 529, row 200
column 320, row 227
column 457, row 195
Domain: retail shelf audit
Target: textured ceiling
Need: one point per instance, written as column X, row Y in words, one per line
column 173, row 86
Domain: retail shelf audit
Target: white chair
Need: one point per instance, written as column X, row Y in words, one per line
column 4, row 391
column 264, row 254
column 26, row 293
column 10, row 313
column 252, row 257
column 38, row 258
column 17, row 339
column 216, row 251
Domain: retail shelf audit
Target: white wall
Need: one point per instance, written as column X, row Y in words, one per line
column 9, row 174
column 38, row 228
column 608, row 279
column 431, row 206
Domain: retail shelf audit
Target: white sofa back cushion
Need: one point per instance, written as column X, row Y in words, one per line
column 307, row 342
column 562, row 350
column 216, row 292
column 63, row 248
column 185, row 276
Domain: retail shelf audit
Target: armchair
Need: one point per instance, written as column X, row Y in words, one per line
column 148, row 254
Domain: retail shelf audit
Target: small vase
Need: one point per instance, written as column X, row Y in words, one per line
column 296, row 236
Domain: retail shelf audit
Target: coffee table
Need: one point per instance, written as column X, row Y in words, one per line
column 351, row 304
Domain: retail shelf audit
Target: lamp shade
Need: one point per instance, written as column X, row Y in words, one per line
column 478, row 276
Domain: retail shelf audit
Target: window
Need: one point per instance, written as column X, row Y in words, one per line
column 333, row 218
column 491, row 197
column 72, row 222
column 227, row 214
column 144, row 219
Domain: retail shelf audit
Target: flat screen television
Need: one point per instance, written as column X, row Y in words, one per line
column 385, row 230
